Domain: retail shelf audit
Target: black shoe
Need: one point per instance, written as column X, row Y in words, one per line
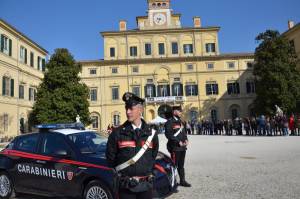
column 185, row 184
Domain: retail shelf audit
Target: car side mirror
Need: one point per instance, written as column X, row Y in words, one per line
column 62, row 154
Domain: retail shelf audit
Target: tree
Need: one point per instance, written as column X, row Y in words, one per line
column 276, row 76
column 61, row 96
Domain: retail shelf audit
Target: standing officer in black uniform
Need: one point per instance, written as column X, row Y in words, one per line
column 124, row 143
column 175, row 131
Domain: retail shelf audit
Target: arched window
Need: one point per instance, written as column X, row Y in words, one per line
column 116, row 120
column 95, row 122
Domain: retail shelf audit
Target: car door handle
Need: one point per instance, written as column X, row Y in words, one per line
column 41, row 162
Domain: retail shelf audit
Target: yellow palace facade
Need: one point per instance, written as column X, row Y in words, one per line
column 22, row 66
column 168, row 64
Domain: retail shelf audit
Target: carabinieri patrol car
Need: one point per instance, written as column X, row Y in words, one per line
column 64, row 160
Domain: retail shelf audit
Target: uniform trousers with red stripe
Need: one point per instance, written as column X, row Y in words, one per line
column 127, row 194
column 178, row 158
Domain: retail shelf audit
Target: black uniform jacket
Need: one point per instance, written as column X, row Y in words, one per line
column 124, row 143
column 171, row 128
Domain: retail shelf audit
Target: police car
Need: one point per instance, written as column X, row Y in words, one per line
column 64, row 160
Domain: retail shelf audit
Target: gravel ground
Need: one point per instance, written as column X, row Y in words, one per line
column 240, row 168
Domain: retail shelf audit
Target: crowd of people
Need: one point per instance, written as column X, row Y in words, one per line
column 254, row 126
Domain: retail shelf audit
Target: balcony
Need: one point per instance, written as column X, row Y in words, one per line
column 152, row 100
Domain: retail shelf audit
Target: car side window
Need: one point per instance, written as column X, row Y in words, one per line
column 52, row 143
column 28, row 143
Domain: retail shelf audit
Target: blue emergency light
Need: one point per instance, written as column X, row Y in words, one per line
column 78, row 126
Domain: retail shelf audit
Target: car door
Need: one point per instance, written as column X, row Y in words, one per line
column 59, row 171
column 25, row 163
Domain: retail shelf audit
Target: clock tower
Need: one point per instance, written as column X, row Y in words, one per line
column 159, row 13
column 160, row 16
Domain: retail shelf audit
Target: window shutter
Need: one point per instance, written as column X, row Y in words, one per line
column 38, row 60
column 2, row 43
column 145, row 90
column 168, row 90
column 154, row 90
column 207, row 89
column 10, row 47
column 3, row 86
column 238, row 88
column 187, row 90
column 217, row 89
column 173, row 90
column 196, row 89
column 25, row 56
column 12, row 87
column 43, row 65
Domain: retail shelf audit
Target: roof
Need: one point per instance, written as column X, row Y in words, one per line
column 23, row 35
column 70, row 131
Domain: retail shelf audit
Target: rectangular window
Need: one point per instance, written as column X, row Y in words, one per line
column 210, row 47
column 93, row 71
column 191, row 90
column 31, row 59
column 149, row 80
column 133, row 51
column 177, row 89
column 93, row 94
column 163, row 90
column 136, row 90
column 135, row 69
column 32, row 94
column 212, row 88
column 249, row 65
column 231, row 65
column 112, row 52
column 150, row 90
column 5, row 122
column 6, row 45
column 22, row 54
column 148, row 50
column 190, row 67
column 114, row 70
column 188, row 48
column 210, row 66
column 174, row 48
column 6, row 86
column 250, row 87
column 115, row 93
column 21, row 91
column 161, row 48
column 233, row 88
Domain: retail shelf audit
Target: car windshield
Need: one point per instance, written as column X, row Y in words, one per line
column 89, row 142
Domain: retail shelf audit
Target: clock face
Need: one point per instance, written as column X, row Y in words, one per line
column 160, row 19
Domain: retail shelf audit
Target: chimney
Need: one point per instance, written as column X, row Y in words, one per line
column 291, row 24
column 197, row 22
column 123, row 25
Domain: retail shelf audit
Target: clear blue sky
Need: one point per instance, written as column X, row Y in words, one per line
column 75, row 24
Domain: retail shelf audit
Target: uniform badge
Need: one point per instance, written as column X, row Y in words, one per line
column 70, row 175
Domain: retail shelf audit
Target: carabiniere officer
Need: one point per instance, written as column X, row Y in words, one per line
column 124, row 143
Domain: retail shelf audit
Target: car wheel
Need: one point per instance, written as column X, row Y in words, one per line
column 6, row 186
column 97, row 190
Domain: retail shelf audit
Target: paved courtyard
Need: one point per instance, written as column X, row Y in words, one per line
column 241, row 168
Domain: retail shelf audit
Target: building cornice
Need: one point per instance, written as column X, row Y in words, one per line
column 159, row 31
column 167, row 60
